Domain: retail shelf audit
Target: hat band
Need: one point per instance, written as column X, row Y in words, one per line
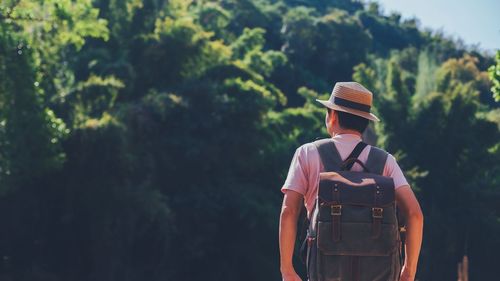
column 351, row 104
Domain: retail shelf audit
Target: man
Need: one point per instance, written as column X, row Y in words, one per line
column 347, row 116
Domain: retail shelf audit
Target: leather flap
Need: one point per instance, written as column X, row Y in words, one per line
column 356, row 188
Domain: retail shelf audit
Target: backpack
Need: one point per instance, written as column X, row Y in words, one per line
column 353, row 233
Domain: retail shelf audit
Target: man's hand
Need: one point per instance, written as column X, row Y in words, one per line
column 407, row 274
column 290, row 275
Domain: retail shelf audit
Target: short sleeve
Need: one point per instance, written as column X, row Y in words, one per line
column 296, row 179
column 393, row 170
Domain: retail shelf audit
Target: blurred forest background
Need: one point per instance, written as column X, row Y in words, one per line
column 148, row 139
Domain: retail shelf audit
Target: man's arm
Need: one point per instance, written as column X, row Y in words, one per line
column 408, row 204
column 290, row 210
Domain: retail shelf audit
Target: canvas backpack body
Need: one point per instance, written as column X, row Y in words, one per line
column 353, row 233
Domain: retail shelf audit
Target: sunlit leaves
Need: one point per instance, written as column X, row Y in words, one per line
column 248, row 47
column 94, row 98
column 462, row 76
column 494, row 74
column 185, row 47
column 68, row 21
column 213, row 17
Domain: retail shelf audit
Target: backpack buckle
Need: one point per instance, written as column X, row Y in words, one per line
column 377, row 213
column 336, row 210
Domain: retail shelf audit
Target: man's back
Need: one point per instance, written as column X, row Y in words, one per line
column 303, row 175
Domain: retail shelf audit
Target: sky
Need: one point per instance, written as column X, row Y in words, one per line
column 473, row 21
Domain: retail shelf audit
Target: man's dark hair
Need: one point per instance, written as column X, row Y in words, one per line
column 351, row 121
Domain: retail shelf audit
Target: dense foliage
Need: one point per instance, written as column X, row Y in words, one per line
column 148, row 139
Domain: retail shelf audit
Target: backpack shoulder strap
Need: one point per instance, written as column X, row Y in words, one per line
column 376, row 160
column 354, row 155
column 329, row 155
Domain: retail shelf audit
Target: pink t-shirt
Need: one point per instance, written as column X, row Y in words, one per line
column 303, row 175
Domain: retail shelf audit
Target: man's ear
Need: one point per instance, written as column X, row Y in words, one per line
column 333, row 116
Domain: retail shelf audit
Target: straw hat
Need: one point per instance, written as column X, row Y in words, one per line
column 351, row 97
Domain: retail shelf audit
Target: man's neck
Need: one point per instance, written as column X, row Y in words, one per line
column 346, row 131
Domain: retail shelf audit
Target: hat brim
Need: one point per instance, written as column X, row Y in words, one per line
column 367, row 115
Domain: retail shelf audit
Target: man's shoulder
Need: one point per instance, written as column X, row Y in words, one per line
column 308, row 152
column 309, row 147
